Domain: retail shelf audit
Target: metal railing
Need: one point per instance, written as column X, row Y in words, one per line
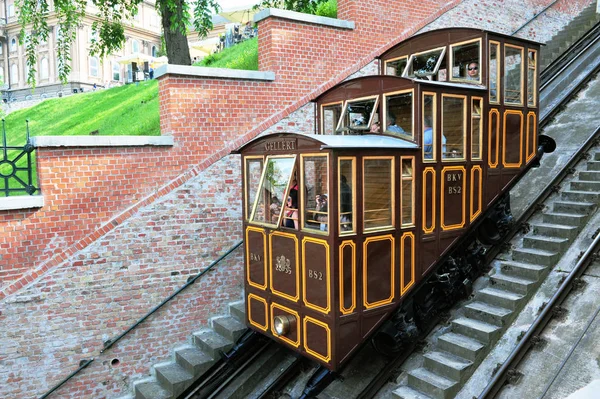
column 16, row 167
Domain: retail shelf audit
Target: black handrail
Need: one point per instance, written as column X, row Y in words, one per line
column 108, row 344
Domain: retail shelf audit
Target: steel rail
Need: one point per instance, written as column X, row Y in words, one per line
column 108, row 344
column 540, row 322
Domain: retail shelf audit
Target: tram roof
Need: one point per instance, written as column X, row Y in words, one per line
column 359, row 141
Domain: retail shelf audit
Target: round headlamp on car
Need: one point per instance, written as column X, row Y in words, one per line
column 283, row 324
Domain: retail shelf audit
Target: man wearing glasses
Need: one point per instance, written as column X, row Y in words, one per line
column 473, row 71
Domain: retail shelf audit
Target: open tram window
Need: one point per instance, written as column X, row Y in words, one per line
column 396, row 66
column 252, row 173
column 476, row 128
column 513, row 75
column 466, row 61
column 454, row 110
column 494, row 72
column 276, row 176
column 378, row 192
column 531, row 77
column 426, row 64
column 315, row 196
column 399, row 114
column 358, row 115
column 330, row 116
column 346, row 190
column 429, row 139
column 408, row 213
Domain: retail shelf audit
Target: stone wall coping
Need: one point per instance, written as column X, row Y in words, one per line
column 301, row 17
column 220, row 73
column 101, row 141
column 21, row 202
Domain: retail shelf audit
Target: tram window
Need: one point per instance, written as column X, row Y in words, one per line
column 358, row 115
column 330, row 115
column 513, row 75
column 428, row 123
column 316, row 199
column 399, row 114
column 378, row 192
column 276, row 176
column 476, row 128
column 408, row 217
column 252, row 173
column 493, row 71
column 396, row 67
column 347, row 183
column 531, row 77
column 426, row 64
column 453, row 126
column 466, row 61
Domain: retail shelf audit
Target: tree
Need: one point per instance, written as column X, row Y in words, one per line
column 109, row 30
column 305, row 6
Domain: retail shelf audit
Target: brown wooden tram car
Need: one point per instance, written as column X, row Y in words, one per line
column 342, row 225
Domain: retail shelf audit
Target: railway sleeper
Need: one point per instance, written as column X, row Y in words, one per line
column 459, row 348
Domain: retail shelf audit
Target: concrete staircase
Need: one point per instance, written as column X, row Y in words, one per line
column 191, row 360
column 479, row 324
column 569, row 35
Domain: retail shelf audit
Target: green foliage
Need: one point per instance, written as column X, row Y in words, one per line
column 327, row 9
column 305, row 6
column 241, row 56
column 130, row 110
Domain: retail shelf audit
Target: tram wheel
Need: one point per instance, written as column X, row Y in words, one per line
column 488, row 233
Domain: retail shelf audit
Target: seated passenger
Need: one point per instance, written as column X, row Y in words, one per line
column 290, row 218
column 275, row 209
column 473, row 71
column 391, row 125
column 428, row 139
column 322, row 211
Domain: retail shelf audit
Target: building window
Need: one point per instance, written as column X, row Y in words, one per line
column 2, row 74
column 10, row 11
column 1, row 48
column 135, row 46
column 94, row 67
column 154, row 51
column 44, row 68
column 116, row 71
column 13, row 44
column 14, row 74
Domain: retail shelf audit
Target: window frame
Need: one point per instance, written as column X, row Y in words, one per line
column 44, row 69
column 498, row 80
column 465, row 119
column 341, row 232
column 392, row 187
column 353, row 100
column 383, row 118
column 451, row 62
column 385, row 66
column 522, row 81
column 434, row 130
column 134, row 44
column 412, row 180
column 480, row 99
column 535, row 78
column 322, row 122
column 96, row 67
column 435, row 69
column 302, row 204
column 247, row 158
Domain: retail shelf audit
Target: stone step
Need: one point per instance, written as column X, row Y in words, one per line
column 212, row 343
column 447, row 365
column 461, row 346
column 476, row 329
column 488, row 313
column 590, row 175
column 579, row 196
column 432, row 384
column 173, row 377
column 229, row 327
column 535, row 256
column 151, row 390
column 525, row 270
column 568, row 219
column 574, row 207
column 238, row 310
column 583, row 185
column 555, row 230
column 405, row 392
column 498, row 297
column 193, row 360
column 546, row 243
column 520, row 285
column 593, row 165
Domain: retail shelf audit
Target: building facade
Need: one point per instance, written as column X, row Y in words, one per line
column 142, row 34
